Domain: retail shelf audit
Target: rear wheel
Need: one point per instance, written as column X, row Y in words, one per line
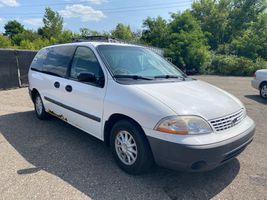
column 263, row 91
column 39, row 108
column 130, row 147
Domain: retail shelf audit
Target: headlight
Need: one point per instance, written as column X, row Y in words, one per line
column 183, row 125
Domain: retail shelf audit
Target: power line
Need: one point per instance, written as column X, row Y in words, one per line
column 120, row 9
column 51, row 4
column 146, row 8
column 148, row 5
column 76, row 2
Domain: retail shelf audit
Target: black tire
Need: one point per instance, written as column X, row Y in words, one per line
column 144, row 158
column 39, row 108
column 263, row 89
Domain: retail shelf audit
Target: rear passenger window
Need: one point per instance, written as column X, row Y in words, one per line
column 85, row 60
column 58, row 60
column 39, row 59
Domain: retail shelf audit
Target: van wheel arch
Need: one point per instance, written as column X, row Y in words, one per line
column 110, row 123
column 42, row 115
column 262, row 83
column 34, row 92
column 263, row 95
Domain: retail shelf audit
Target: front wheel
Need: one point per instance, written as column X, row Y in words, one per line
column 39, row 108
column 263, row 91
column 130, row 147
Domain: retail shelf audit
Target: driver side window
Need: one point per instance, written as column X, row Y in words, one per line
column 84, row 61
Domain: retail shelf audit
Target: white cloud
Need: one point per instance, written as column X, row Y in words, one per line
column 34, row 21
column 86, row 13
column 10, row 3
column 97, row 1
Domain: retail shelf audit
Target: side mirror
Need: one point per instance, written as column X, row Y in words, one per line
column 87, row 77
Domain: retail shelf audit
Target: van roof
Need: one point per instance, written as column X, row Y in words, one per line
column 95, row 44
column 103, row 40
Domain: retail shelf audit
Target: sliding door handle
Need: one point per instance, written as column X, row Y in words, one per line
column 57, row 84
column 68, row 88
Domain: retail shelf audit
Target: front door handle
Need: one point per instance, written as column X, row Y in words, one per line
column 68, row 88
column 57, row 84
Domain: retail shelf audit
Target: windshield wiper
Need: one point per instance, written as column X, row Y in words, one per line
column 170, row 76
column 135, row 77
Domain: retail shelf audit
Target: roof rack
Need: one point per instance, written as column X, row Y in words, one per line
column 114, row 40
column 96, row 39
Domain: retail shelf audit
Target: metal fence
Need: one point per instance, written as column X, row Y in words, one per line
column 14, row 65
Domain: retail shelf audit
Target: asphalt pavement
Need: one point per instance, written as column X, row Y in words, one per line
column 53, row 160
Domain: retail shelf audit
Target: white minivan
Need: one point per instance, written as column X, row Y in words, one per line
column 142, row 106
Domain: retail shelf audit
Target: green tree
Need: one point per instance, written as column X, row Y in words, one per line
column 252, row 42
column 53, row 24
column 5, row 42
column 188, row 46
column 85, row 32
column 214, row 20
column 26, row 44
column 25, row 35
column 40, row 43
column 243, row 12
column 122, row 32
column 155, row 32
column 66, row 36
column 12, row 28
column 223, row 20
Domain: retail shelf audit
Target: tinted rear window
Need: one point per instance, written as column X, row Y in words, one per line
column 39, row 59
column 54, row 60
column 58, row 60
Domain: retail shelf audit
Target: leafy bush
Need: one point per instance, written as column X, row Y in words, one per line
column 5, row 42
column 234, row 65
column 260, row 64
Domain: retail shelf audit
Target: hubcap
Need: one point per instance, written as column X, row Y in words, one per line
column 38, row 105
column 126, row 147
column 264, row 91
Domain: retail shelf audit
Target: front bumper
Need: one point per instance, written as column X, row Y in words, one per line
column 199, row 157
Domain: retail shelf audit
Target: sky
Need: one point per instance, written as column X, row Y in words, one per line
column 99, row 15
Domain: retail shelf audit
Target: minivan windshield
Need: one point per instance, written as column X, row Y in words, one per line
column 138, row 63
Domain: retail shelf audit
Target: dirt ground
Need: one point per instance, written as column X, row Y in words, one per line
column 52, row 160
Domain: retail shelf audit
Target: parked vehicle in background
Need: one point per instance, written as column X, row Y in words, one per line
column 144, row 107
column 260, row 82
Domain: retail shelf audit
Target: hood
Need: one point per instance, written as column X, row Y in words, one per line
column 193, row 98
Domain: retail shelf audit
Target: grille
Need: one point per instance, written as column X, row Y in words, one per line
column 226, row 122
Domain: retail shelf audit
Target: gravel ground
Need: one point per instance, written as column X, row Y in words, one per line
column 52, row 160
